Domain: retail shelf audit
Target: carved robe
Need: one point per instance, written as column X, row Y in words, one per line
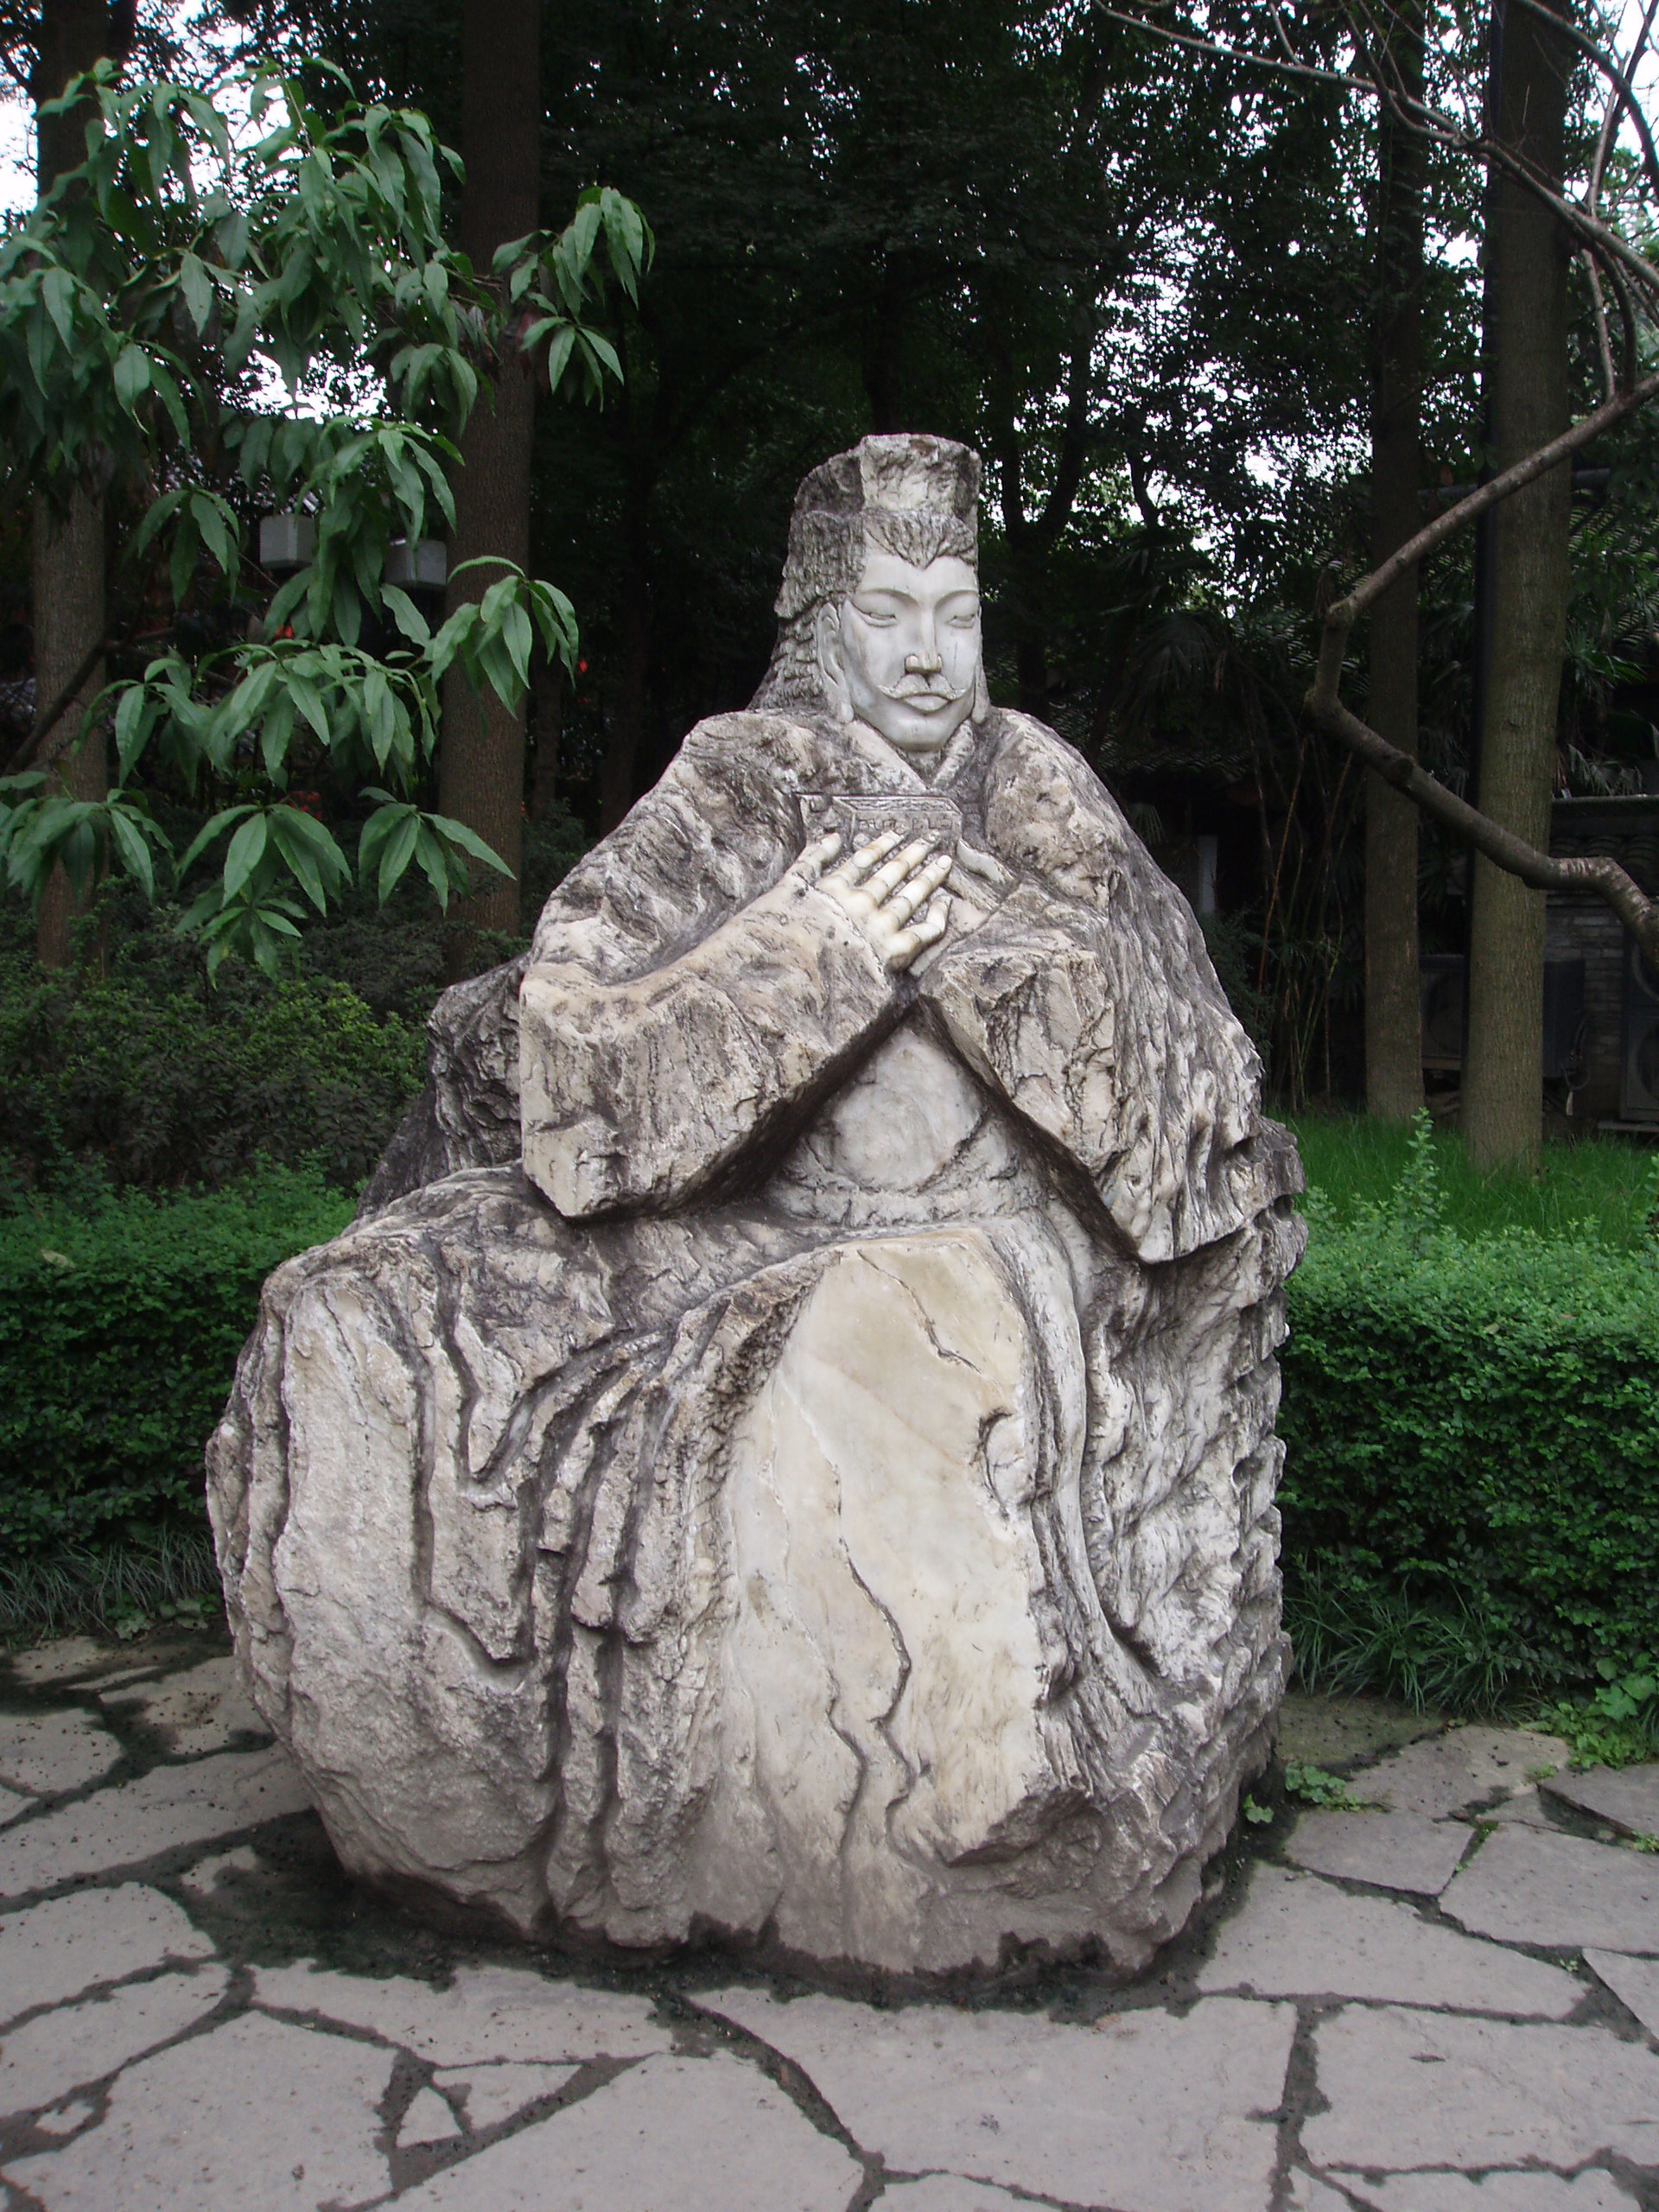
column 796, row 1460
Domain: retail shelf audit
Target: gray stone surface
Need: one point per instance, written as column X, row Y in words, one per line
column 1296, row 1937
column 47, row 1753
column 676, row 1618
column 1527, row 1809
column 151, row 2066
column 684, row 2134
column 429, row 2119
column 1410, row 2090
column 492, row 2093
column 1626, row 1798
column 75, row 2045
column 56, row 1950
column 947, row 2193
column 1463, row 1771
column 488, row 2012
column 167, row 1808
column 1635, row 1982
column 252, row 2117
column 1391, row 1851
column 1559, row 1892
column 67, row 1659
column 1143, row 2110
column 204, row 1709
column 1494, row 2192
column 11, row 1804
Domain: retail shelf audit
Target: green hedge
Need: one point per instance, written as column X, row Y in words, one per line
column 118, row 1337
column 1478, row 1419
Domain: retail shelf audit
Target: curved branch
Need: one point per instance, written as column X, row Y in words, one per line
column 1596, row 876
column 1345, row 612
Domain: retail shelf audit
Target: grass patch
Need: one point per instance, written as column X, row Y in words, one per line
column 118, row 1590
column 1603, row 1188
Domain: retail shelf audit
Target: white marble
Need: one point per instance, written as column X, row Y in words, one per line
column 835, row 1288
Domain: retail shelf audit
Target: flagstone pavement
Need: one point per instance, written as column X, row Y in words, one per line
column 1447, row 2003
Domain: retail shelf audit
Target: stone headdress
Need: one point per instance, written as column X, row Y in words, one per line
column 914, row 496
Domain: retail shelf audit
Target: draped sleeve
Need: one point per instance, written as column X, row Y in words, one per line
column 1088, row 1001
column 688, row 999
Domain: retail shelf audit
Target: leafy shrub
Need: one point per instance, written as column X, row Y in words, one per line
column 1472, row 1488
column 119, row 1331
column 155, row 1079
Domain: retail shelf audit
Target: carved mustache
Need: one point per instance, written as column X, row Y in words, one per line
column 917, row 687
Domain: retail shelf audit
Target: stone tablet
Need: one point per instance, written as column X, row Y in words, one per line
column 787, row 1449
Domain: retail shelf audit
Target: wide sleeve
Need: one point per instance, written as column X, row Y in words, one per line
column 690, row 998
column 1088, row 1001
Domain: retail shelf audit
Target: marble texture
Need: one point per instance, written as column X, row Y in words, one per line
column 786, row 1449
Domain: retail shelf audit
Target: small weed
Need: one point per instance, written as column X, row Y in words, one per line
column 1619, row 1724
column 1539, row 1773
column 1312, row 1785
column 1257, row 1816
column 1645, row 1843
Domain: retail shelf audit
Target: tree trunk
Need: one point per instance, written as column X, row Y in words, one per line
column 547, row 721
column 619, row 769
column 68, row 585
column 1394, row 1048
column 1527, row 349
column 481, row 759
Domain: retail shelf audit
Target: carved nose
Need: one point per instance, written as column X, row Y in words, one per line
column 922, row 663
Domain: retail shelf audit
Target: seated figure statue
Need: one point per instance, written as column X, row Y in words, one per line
column 786, row 1449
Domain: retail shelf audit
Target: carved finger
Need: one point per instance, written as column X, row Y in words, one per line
column 931, row 927
column 900, row 868
column 868, row 857
column 909, row 898
column 814, row 860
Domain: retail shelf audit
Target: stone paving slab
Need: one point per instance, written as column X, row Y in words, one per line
column 1391, row 1851
column 256, row 2116
column 1635, row 1982
column 1297, row 1936
column 55, row 2053
column 165, row 1809
column 204, row 1709
column 46, row 1754
column 11, row 1804
column 1408, row 2089
column 1527, row 1808
column 70, row 1944
column 488, row 2012
column 1144, row 2110
column 1558, row 1892
column 1496, row 2192
column 1625, row 1797
column 488, row 2095
column 670, row 2135
column 1463, row 1771
column 1319, row 2048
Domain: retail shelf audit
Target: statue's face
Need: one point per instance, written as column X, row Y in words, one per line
column 902, row 651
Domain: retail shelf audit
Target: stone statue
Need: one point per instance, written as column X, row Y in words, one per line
column 786, row 1449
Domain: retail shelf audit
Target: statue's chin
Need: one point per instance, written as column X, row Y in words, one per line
column 920, row 737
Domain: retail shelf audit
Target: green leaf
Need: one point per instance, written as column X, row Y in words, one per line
column 216, row 532
column 296, row 850
column 197, row 287
column 206, row 835
column 246, row 851
column 58, row 290
column 400, row 846
column 131, row 727
column 408, row 616
column 131, row 375
column 457, row 833
column 129, row 841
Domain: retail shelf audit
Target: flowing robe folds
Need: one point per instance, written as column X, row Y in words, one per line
column 787, row 1450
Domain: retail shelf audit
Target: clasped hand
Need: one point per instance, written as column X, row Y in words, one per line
column 893, row 894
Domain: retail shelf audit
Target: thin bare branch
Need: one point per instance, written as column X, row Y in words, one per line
column 1615, row 76
column 1347, row 610
column 1604, row 342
